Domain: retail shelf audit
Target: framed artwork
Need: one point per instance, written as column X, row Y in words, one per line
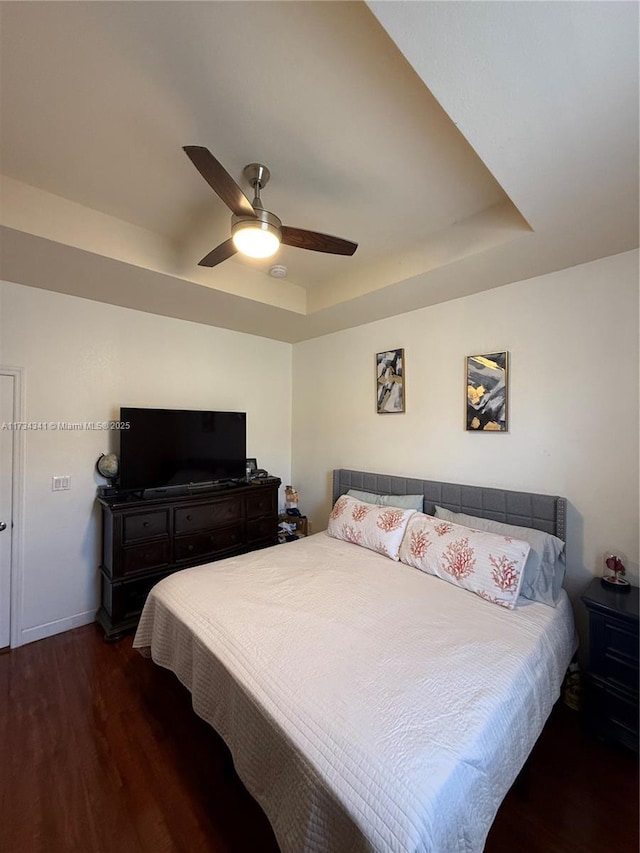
column 251, row 466
column 486, row 381
column 390, row 382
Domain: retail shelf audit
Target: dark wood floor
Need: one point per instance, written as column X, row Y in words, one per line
column 100, row 751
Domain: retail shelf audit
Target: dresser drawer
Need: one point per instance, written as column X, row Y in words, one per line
column 144, row 558
column 618, row 670
column 205, row 516
column 622, row 638
column 193, row 547
column 262, row 528
column 614, row 712
column 614, row 650
column 123, row 601
column 261, row 502
column 145, row 525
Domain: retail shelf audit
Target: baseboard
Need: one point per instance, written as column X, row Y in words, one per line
column 40, row 632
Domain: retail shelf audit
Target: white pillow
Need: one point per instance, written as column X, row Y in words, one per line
column 490, row 566
column 375, row 527
column 545, row 567
column 401, row 501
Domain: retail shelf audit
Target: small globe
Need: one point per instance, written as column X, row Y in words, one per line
column 108, row 466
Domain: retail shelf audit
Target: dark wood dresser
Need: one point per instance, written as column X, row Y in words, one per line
column 612, row 698
column 146, row 540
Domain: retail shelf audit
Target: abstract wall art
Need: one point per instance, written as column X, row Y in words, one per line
column 390, row 382
column 486, row 381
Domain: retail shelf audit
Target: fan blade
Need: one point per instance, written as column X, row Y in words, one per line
column 219, row 180
column 219, row 254
column 317, row 242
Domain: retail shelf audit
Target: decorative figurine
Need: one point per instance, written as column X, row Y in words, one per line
column 615, row 581
column 291, row 497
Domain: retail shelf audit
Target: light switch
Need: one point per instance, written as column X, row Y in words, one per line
column 61, row 484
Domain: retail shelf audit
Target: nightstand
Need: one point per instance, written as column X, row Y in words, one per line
column 612, row 699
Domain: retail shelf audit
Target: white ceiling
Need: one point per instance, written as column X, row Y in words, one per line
column 462, row 145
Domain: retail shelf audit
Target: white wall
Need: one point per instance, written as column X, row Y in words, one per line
column 573, row 343
column 82, row 360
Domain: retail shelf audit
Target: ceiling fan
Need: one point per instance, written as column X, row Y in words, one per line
column 255, row 232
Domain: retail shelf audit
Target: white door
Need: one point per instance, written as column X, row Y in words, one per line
column 6, row 485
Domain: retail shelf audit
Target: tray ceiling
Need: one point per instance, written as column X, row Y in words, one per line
column 396, row 126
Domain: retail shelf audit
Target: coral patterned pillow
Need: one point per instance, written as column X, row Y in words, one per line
column 490, row 565
column 379, row 528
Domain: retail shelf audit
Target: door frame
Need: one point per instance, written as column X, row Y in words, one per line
column 17, row 507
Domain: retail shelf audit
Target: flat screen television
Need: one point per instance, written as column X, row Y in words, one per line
column 171, row 447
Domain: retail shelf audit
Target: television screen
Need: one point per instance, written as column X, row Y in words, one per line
column 165, row 447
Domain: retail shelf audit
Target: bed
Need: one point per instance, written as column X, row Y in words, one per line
column 368, row 706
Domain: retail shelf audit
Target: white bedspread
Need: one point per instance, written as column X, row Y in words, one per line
column 368, row 706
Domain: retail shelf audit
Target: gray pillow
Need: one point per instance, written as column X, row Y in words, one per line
column 400, row 501
column 544, row 569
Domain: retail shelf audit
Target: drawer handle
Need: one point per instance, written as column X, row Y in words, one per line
column 189, row 518
column 145, row 523
column 189, row 547
column 147, row 556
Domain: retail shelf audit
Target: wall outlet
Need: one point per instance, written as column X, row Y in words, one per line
column 61, row 484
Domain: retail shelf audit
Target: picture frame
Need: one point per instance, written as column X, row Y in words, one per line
column 487, row 392
column 390, row 382
column 251, row 465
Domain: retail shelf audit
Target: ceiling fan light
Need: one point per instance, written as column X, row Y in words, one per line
column 256, row 239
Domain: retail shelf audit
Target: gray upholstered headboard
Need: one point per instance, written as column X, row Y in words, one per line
column 542, row 512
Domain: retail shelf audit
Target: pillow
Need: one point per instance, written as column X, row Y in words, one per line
column 402, row 501
column 544, row 569
column 491, row 566
column 375, row 527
